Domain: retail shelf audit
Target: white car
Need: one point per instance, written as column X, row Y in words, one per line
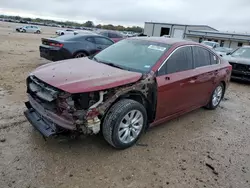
column 211, row 44
column 65, row 32
column 29, row 29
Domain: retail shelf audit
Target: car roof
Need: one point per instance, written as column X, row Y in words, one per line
column 165, row 40
column 209, row 41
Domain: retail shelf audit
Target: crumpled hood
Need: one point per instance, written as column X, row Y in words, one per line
column 240, row 60
column 84, row 75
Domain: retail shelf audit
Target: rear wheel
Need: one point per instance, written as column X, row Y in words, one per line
column 24, row 31
column 124, row 123
column 38, row 32
column 17, row 30
column 80, row 55
column 216, row 97
column 62, row 33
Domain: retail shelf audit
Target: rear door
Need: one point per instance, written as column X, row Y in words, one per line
column 28, row 29
column 175, row 83
column 205, row 72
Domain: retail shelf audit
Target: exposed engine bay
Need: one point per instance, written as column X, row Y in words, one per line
column 81, row 112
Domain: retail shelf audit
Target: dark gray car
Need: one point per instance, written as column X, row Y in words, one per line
column 73, row 46
column 240, row 61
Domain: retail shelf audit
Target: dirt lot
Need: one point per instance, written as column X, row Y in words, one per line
column 200, row 149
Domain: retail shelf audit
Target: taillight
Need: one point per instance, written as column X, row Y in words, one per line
column 56, row 44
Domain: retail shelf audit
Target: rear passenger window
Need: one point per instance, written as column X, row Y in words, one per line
column 103, row 41
column 201, row 56
column 214, row 59
column 180, row 60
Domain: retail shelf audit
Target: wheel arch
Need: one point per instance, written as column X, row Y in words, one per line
column 78, row 51
column 140, row 98
column 225, row 86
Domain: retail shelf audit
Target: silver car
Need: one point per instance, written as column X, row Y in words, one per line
column 211, row 44
column 30, row 29
column 222, row 51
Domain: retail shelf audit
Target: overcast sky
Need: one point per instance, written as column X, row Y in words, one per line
column 226, row 15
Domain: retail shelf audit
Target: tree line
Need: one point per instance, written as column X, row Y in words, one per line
column 90, row 24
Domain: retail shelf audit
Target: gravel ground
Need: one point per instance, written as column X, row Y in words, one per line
column 200, row 149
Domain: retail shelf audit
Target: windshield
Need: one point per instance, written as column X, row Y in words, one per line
column 134, row 55
column 242, row 52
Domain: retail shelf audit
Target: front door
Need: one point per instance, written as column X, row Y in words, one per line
column 175, row 83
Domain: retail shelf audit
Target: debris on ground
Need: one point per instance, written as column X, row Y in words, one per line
column 212, row 168
column 2, row 139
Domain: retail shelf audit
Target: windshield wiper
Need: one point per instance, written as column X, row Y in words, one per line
column 112, row 65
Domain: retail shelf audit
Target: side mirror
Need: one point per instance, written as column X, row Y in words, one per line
column 228, row 53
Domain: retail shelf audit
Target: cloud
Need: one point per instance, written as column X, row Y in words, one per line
column 222, row 14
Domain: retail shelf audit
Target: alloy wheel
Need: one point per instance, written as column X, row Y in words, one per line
column 130, row 126
column 217, row 95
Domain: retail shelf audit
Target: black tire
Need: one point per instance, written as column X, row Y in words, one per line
column 38, row 32
column 80, row 55
column 62, row 33
column 113, row 118
column 211, row 105
column 17, row 30
column 24, row 31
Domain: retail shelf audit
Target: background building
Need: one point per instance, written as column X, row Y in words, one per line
column 197, row 33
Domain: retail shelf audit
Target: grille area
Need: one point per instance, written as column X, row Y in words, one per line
column 240, row 67
column 43, row 93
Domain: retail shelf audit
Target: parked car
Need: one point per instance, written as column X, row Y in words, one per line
column 240, row 61
column 64, row 32
column 211, row 44
column 29, row 29
column 73, row 46
column 113, row 35
column 126, row 88
column 223, row 50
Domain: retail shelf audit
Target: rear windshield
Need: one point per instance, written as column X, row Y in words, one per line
column 68, row 37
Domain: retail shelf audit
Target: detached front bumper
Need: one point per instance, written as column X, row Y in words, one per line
column 39, row 123
column 45, row 121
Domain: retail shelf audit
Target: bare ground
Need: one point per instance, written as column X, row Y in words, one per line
column 200, row 149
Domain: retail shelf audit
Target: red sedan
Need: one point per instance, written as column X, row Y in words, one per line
column 126, row 88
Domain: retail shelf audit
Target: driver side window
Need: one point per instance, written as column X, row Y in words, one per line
column 180, row 60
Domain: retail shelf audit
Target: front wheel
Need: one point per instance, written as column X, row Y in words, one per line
column 124, row 123
column 24, row 31
column 216, row 97
column 38, row 32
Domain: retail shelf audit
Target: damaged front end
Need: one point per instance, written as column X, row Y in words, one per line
column 52, row 111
